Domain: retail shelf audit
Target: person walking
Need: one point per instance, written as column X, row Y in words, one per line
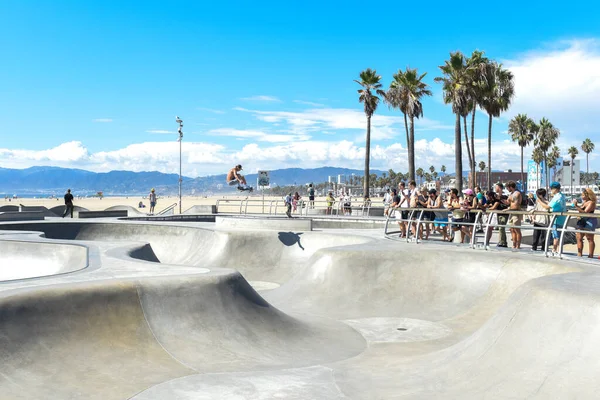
column 288, row 205
column 68, row 203
column 152, row 199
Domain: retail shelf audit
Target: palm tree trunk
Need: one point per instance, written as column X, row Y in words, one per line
column 367, row 158
column 458, row 154
column 411, row 148
column 489, row 165
column 538, row 176
column 547, row 170
column 411, row 157
column 468, row 151
column 522, row 183
column 587, row 162
column 474, row 167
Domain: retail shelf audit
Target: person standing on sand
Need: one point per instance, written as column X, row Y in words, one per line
column 152, row 199
column 68, row 203
column 311, row 196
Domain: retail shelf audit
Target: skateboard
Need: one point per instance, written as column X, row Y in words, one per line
column 248, row 189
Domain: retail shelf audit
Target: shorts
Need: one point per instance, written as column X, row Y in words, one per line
column 457, row 221
column 311, row 198
column 152, row 203
column 587, row 224
column 515, row 220
column 233, row 182
column 555, row 232
column 405, row 214
column 440, row 222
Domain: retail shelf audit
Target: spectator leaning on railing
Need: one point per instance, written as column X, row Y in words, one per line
column 558, row 204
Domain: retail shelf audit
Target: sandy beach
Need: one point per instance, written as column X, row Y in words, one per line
column 227, row 203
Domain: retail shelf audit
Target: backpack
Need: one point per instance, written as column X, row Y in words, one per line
column 523, row 199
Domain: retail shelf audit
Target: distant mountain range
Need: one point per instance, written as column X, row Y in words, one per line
column 54, row 180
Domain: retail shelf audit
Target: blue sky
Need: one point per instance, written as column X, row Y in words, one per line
column 97, row 85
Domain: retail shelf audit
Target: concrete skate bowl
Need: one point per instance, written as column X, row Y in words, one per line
column 353, row 317
column 60, row 210
column 24, row 260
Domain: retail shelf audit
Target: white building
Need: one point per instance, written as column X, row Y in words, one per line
column 566, row 178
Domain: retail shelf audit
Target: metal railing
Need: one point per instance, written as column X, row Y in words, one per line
column 415, row 216
column 277, row 207
column 166, row 210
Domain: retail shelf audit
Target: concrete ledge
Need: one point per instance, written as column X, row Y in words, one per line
column 22, row 216
column 201, row 209
column 103, row 214
column 261, row 223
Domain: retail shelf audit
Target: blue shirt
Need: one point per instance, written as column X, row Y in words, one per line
column 558, row 204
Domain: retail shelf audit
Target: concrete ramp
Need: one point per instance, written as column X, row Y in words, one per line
column 131, row 211
column 114, row 339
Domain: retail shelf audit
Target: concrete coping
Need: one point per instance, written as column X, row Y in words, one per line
column 263, row 223
column 22, row 216
column 102, row 214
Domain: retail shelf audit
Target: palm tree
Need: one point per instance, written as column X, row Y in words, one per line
column 369, row 81
column 427, row 177
column 443, row 169
column 432, row 169
column 545, row 138
column 497, row 92
column 420, row 173
column 538, row 157
column 553, row 157
column 521, row 128
column 405, row 93
column 572, row 153
column 435, row 175
column 587, row 146
column 477, row 65
column 455, row 89
column 481, row 167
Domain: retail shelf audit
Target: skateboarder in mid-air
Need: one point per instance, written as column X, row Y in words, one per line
column 235, row 178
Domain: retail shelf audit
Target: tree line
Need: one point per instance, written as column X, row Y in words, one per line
column 469, row 83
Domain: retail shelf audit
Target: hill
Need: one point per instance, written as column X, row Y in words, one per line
column 41, row 181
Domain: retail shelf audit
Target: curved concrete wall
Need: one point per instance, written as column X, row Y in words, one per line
column 22, row 260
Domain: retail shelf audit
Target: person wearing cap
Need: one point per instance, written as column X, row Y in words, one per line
column 558, row 204
column 152, row 199
column 235, row 178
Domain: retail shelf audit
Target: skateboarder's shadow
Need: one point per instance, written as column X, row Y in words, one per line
column 290, row 239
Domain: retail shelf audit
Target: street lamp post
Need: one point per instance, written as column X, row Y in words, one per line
column 180, row 130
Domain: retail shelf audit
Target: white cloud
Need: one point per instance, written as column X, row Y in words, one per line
column 102, row 120
column 383, row 127
column 159, row 131
column 257, row 135
column 211, row 110
column 269, row 99
column 562, row 84
column 309, row 103
column 200, row 158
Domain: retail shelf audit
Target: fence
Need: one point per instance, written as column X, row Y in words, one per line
column 415, row 216
column 303, row 207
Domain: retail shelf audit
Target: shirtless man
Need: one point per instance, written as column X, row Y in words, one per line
column 235, row 178
column 514, row 204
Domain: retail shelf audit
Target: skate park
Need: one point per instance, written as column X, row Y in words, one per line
column 261, row 306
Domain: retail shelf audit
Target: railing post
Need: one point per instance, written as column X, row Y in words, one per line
column 474, row 231
column 562, row 235
column 419, row 229
column 548, row 234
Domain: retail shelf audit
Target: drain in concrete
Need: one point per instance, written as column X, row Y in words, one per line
column 390, row 329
